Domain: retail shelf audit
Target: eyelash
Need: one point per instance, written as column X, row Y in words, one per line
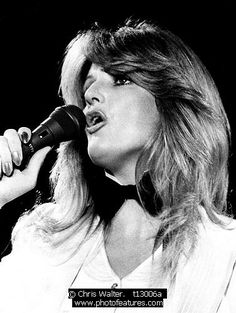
column 121, row 80
column 118, row 80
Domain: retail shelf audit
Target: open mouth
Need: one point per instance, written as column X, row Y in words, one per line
column 95, row 120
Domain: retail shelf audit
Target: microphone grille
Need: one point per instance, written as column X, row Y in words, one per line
column 71, row 118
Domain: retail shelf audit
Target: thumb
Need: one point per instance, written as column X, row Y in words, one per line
column 36, row 162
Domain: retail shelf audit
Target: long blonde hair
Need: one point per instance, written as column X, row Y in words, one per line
column 187, row 156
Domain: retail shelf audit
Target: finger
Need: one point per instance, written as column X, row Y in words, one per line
column 5, row 155
column 25, row 134
column 0, row 169
column 14, row 144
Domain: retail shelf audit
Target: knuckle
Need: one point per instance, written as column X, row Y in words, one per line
column 5, row 153
column 13, row 139
column 10, row 133
column 3, row 141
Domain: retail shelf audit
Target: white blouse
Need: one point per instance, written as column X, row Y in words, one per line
column 97, row 273
column 34, row 282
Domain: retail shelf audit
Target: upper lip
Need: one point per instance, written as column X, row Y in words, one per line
column 95, row 117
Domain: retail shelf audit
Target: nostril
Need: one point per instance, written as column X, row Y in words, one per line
column 89, row 101
column 95, row 99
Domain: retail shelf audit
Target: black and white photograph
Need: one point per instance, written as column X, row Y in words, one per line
column 117, row 157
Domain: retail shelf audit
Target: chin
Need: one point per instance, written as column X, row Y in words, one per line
column 98, row 156
column 104, row 158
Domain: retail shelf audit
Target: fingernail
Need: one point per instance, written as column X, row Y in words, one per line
column 16, row 158
column 24, row 137
column 7, row 168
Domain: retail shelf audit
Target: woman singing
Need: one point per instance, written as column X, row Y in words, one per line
column 144, row 205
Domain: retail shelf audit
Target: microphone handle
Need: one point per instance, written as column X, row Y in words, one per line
column 64, row 123
column 41, row 137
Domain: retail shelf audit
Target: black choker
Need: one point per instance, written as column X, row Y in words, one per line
column 109, row 196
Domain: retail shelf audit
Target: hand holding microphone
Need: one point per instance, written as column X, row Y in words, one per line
column 20, row 161
column 64, row 123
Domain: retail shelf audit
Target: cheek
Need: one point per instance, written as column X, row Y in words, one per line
column 135, row 130
column 131, row 124
column 144, row 118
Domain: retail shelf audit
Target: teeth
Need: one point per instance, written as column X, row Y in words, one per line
column 94, row 118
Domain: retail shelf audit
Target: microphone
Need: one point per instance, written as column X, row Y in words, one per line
column 65, row 123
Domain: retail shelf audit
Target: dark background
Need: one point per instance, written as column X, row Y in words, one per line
column 33, row 37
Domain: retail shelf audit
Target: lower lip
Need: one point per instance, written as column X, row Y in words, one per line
column 95, row 128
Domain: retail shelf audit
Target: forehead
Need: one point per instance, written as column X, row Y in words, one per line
column 93, row 70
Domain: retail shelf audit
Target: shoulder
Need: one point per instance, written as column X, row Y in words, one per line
column 206, row 276
column 33, row 258
column 27, row 234
column 35, row 235
column 219, row 237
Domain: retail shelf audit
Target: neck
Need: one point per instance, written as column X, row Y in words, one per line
column 124, row 175
column 132, row 221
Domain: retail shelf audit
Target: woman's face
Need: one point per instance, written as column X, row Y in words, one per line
column 121, row 116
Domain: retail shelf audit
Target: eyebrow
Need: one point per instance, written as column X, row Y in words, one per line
column 91, row 76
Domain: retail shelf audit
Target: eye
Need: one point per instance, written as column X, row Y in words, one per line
column 120, row 80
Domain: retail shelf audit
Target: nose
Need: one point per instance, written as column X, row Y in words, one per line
column 94, row 94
